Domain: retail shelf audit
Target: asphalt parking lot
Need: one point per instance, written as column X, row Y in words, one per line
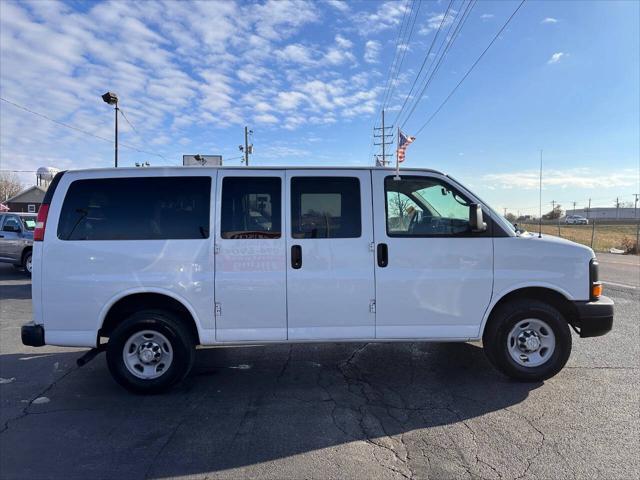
column 405, row 410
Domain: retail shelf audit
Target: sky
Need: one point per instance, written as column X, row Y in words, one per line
column 310, row 79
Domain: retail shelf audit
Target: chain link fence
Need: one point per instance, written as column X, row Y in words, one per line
column 602, row 237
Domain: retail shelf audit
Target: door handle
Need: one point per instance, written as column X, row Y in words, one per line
column 296, row 256
column 383, row 255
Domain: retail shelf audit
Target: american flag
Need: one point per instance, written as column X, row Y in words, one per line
column 403, row 143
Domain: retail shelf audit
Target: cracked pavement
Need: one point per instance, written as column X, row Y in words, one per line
column 362, row 411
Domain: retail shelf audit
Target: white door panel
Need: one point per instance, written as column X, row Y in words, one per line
column 432, row 287
column 250, row 273
column 329, row 296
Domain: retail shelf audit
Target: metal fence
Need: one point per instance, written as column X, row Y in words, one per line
column 600, row 237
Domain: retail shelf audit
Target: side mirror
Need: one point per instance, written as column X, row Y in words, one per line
column 476, row 221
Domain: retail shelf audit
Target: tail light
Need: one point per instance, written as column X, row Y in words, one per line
column 41, row 220
column 41, row 223
column 595, row 285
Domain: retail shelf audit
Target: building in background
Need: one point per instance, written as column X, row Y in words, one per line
column 27, row 201
column 607, row 213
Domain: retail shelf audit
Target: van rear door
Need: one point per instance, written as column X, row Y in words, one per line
column 330, row 285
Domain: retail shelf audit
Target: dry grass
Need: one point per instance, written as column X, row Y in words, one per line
column 601, row 240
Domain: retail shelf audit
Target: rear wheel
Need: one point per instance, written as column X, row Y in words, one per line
column 527, row 340
column 150, row 351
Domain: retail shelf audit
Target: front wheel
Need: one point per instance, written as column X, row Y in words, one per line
column 527, row 340
column 27, row 263
column 150, row 351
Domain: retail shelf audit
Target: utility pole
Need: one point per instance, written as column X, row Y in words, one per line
column 635, row 205
column 617, row 207
column 574, row 207
column 383, row 135
column 589, row 208
column 505, row 212
column 246, row 149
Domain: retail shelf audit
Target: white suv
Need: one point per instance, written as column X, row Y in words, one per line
column 148, row 263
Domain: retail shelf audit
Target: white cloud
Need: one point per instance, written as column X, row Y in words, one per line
column 372, row 51
column 343, row 42
column 266, row 118
column 434, row 20
column 181, row 70
column 340, row 5
column 388, row 15
column 549, row 20
column 296, row 53
column 575, row 178
column 556, row 57
column 486, row 16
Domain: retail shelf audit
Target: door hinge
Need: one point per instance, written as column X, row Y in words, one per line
column 218, row 310
column 372, row 247
column 372, row 306
column 216, row 248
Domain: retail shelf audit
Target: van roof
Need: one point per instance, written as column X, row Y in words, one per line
column 270, row 167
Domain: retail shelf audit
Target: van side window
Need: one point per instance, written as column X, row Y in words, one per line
column 325, row 207
column 424, row 207
column 149, row 208
column 251, row 208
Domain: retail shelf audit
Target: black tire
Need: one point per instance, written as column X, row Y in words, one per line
column 169, row 325
column 27, row 260
column 503, row 320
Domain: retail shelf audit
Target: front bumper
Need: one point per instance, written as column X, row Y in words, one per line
column 594, row 318
column 32, row 335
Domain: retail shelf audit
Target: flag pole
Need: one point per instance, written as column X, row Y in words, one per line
column 397, row 177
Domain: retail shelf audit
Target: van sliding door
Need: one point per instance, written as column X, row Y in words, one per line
column 250, row 275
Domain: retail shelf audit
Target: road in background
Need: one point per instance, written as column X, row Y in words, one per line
column 620, row 270
column 395, row 410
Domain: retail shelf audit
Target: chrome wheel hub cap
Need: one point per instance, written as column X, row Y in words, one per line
column 147, row 354
column 531, row 342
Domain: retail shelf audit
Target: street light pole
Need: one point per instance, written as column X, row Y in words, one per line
column 116, row 110
column 112, row 99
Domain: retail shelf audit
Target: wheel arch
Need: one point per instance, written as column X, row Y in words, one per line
column 25, row 250
column 125, row 304
column 555, row 297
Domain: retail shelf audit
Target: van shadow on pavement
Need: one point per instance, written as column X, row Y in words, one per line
column 245, row 405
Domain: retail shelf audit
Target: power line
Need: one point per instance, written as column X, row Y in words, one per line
column 470, row 69
column 85, row 132
column 130, row 124
column 405, row 43
column 395, row 54
column 400, row 30
column 426, row 57
column 439, row 58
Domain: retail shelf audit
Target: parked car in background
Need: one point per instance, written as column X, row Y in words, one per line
column 159, row 260
column 16, row 239
column 576, row 220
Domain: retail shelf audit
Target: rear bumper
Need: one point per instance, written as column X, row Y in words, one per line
column 32, row 335
column 594, row 318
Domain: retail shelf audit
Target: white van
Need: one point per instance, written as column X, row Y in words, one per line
column 159, row 260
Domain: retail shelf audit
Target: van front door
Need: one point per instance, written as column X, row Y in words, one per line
column 434, row 277
column 250, row 259
column 330, row 284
